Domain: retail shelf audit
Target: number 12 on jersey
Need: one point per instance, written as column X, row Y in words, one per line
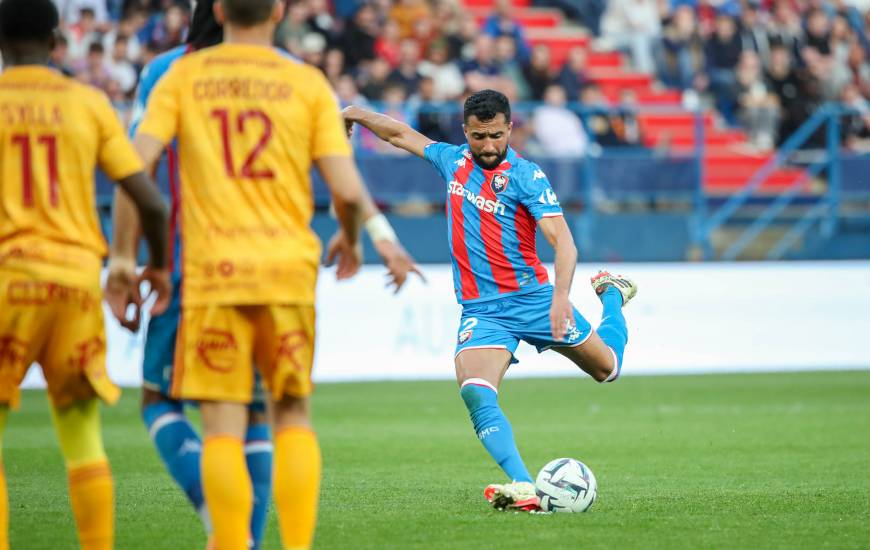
column 227, row 129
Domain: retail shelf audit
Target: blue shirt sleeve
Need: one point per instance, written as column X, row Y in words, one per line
column 537, row 194
column 442, row 156
column 149, row 77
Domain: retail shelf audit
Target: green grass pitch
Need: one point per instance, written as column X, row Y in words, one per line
column 725, row 461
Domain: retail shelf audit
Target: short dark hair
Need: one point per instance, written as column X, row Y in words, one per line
column 24, row 20
column 485, row 105
column 247, row 12
column 204, row 28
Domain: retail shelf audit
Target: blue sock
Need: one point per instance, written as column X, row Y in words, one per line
column 612, row 328
column 258, row 454
column 180, row 447
column 493, row 428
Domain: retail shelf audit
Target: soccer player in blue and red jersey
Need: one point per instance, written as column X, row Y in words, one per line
column 495, row 200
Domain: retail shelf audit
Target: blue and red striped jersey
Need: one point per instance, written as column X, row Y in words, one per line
column 492, row 216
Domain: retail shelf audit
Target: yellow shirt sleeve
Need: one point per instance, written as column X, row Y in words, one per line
column 162, row 112
column 329, row 137
column 116, row 157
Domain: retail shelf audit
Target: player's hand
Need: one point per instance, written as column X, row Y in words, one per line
column 561, row 316
column 122, row 291
column 399, row 263
column 349, row 257
column 348, row 124
column 160, row 283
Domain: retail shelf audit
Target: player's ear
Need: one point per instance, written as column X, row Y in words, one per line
column 218, row 9
column 278, row 12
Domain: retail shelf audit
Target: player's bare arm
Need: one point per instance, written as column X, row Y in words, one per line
column 559, row 236
column 399, row 263
column 397, row 134
column 122, row 255
column 347, row 190
column 151, row 210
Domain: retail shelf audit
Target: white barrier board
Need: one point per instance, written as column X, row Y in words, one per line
column 687, row 318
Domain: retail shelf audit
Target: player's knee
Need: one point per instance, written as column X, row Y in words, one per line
column 291, row 412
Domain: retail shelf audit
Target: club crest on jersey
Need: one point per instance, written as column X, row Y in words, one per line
column 499, row 183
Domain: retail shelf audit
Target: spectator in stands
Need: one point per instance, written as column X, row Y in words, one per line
column 787, row 85
column 406, row 74
column 604, row 126
column 71, row 11
column 502, row 23
column 388, row 43
column 556, row 128
column 347, row 91
column 573, row 77
column 753, row 32
column 832, row 75
column 424, row 32
column 333, row 65
column 625, row 125
column 634, row 26
column 358, row 40
column 842, row 38
column 511, row 68
column 127, row 27
column 320, row 20
column 406, row 12
column 758, row 107
column 121, row 70
column 81, row 35
column 681, row 52
column 293, row 28
column 313, row 49
column 446, row 76
column 856, row 125
column 818, row 34
column 93, row 70
column 432, row 121
column 483, row 71
column 461, row 41
column 374, row 79
column 537, row 71
column 785, row 27
column 59, row 56
column 722, row 52
column 169, row 29
column 859, row 69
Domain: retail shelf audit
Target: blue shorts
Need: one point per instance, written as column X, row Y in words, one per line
column 502, row 323
column 159, row 356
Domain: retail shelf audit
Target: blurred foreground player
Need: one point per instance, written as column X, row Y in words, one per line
column 177, row 442
column 250, row 121
column 179, row 445
column 54, row 132
column 495, row 199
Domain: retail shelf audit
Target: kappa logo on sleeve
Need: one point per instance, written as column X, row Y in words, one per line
column 539, row 175
column 548, row 197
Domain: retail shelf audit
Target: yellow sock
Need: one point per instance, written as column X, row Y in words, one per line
column 296, row 485
column 228, row 491
column 4, row 497
column 91, row 493
column 91, row 488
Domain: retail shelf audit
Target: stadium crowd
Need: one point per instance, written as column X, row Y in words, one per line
column 764, row 65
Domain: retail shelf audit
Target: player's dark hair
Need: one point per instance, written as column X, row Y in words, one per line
column 27, row 20
column 485, row 105
column 247, row 13
column 204, row 28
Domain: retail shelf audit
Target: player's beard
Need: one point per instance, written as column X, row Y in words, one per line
column 491, row 164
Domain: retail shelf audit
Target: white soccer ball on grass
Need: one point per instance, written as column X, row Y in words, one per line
column 566, row 485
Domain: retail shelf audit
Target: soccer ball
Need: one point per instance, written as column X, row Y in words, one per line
column 566, row 485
